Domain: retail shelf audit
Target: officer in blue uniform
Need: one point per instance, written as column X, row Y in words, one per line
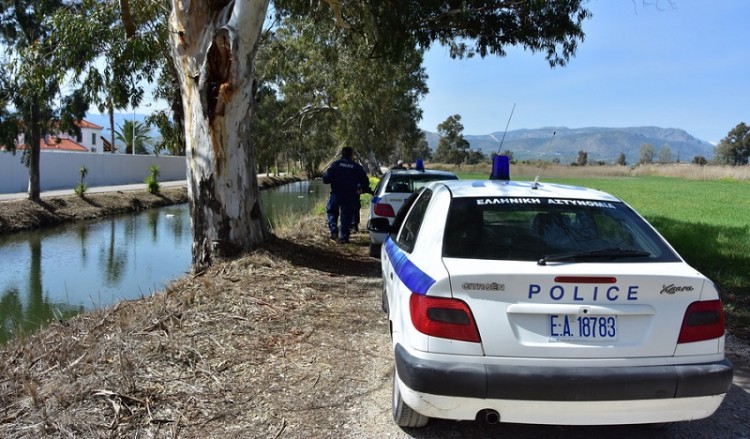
column 346, row 178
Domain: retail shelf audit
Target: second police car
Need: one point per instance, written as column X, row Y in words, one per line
column 542, row 303
column 391, row 192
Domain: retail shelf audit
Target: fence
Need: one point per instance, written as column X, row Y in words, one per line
column 61, row 170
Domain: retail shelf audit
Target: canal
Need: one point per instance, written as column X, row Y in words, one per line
column 58, row 272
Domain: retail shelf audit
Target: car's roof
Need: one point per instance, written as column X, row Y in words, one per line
column 418, row 172
column 503, row 188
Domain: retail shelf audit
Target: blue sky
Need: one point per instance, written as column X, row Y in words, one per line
column 686, row 66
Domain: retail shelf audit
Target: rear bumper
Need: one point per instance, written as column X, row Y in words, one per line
column 468, row 380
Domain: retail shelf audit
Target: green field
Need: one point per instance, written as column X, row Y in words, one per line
column 706, row 221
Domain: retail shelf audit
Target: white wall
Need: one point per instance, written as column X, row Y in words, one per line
column 60, row 170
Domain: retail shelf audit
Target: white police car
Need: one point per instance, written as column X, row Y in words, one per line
column 391, row 192
column 548, row 304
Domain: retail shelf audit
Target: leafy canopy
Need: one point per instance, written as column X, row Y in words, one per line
column 468, row 27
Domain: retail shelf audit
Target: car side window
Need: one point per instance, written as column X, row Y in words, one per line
column 407, row 235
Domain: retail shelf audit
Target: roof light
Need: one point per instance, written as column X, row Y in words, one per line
column 420, row 165
column 500, row 168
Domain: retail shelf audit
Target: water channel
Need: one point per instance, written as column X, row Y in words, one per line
column 58, row 272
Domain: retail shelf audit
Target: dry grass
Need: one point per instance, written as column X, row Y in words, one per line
column 686, row 171
column 255, row 347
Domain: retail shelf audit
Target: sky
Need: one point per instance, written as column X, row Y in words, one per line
column 671, row 64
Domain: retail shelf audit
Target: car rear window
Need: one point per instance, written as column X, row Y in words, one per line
column 528, row 229
column 405, row 183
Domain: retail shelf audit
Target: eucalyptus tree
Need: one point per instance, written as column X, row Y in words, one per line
column 419, row 149
column 119, row 45
column 380, row 101
column 33, row 70
column 646, row 154
column 332, row 91
column 452, row 147
column 297, row 111
column 214, row 45
column 734, row 149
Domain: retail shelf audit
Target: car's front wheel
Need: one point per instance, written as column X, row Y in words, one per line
column 403, row 415
column 375, row 250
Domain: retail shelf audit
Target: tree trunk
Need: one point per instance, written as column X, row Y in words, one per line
column 34, row 190
column 111, row 110
column 213, row 48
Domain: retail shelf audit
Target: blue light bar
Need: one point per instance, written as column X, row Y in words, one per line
column 420, row 165
column 500, row 168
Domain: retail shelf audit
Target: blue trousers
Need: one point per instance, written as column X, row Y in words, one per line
column 340, row 210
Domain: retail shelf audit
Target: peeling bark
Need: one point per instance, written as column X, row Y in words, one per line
column 213, row 49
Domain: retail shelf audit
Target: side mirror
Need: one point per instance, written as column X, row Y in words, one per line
column 379, row 225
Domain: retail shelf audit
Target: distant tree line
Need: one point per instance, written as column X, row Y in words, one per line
column 734, row 149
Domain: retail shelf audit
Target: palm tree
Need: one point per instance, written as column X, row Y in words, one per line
column 132, row 132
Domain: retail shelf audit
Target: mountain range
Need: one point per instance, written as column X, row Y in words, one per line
column 549, row 143
column 601, row 144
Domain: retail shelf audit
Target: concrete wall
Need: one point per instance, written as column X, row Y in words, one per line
column 60, row 170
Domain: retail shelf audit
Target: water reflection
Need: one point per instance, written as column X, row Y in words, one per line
column 301, row 196
column 56, row 273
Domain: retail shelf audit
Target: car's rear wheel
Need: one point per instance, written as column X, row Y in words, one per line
column 375, row 250
column 403, row 415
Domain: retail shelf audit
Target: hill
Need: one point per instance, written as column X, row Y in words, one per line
column 601, row 144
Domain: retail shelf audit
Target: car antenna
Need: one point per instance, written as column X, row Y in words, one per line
column 536, row 179
column 499, row 148
column 501, row 164
column 541, row 168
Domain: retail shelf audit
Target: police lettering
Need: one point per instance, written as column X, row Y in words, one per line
column 489, row 201
column 553, row 201
column 582, row 203
column 587, row 293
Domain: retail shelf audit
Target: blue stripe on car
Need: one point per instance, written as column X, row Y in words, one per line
column 416, row 280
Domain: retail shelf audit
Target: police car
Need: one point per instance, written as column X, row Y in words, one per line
column 529, row 302
column 391, row 192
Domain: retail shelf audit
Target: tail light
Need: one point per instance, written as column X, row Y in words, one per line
column 382, row 209
column 703, row 321
column 443, row 317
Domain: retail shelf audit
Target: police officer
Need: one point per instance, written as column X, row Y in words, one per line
column 346, row 178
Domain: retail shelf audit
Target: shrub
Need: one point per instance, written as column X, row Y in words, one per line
column 152, row 183
column 81, row 187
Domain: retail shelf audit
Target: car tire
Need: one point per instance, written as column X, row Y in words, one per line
column 384, row 302
column 375, row 250
column 662, row 425
column 403, row 415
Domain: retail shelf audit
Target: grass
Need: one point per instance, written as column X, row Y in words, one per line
column 706, row 220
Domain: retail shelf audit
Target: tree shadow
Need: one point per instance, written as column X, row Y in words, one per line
column 717, row 252
column 90, row 201
column 333, row 261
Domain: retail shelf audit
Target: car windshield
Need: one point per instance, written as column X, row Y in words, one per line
column 405, row 183
column 547, row 230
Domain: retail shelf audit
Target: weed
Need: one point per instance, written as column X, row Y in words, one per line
column 152, row 182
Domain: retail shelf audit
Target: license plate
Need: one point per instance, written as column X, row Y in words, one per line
column 576, row 327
